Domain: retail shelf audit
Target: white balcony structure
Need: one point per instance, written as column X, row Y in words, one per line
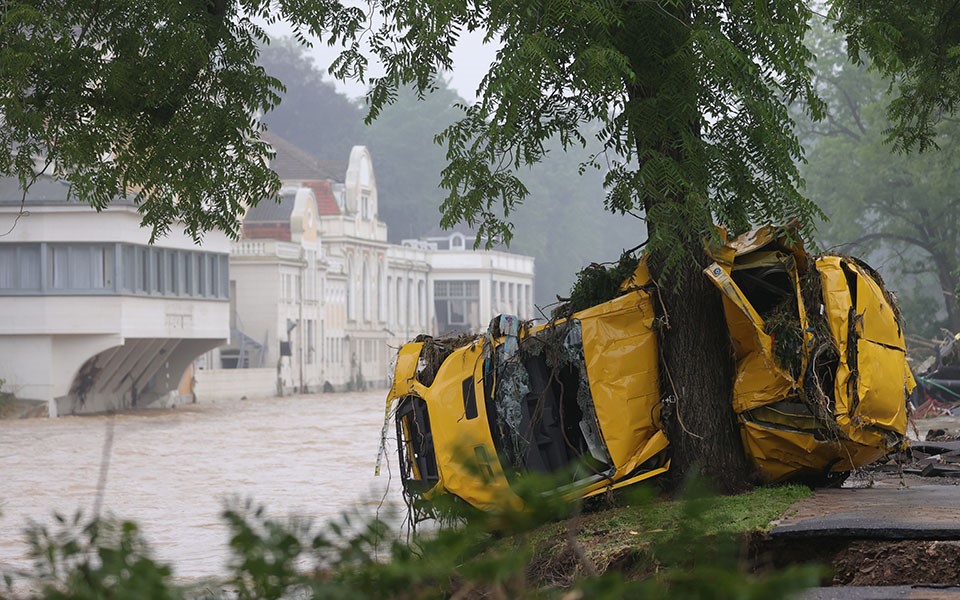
column 94, row 318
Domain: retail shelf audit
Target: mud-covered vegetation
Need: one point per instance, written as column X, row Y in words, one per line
column 598, row 283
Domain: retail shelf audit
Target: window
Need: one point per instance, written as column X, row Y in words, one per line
column 67, row 268
column 203, row 277
column 189, row 271
column 156, row 274
column 224, row 276
column 19, row 266
column 399, row 306
column 174, row 283
column 311, row 340
column 80, row 267
column 457, row 305
column 128, row 258
column 214, row 289
column 351, row 291
column 420, row 304
column 365, row 283
column 143, row 278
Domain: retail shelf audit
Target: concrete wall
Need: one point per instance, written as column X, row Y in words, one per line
column 215, row 385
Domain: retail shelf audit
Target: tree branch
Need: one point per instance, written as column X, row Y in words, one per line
column 87, row 25
column 870, row 237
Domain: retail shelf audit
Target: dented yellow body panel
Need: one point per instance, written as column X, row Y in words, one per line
column 873, row 376
column 466, row 458
column 620, row 355
column 871, row 383
column 620, row 348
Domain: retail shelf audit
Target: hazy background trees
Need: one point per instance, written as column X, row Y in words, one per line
column 899, row 211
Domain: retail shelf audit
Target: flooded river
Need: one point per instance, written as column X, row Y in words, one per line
column 312, row 456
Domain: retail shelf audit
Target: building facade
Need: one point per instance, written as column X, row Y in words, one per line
column 325, row 302
column 94, row 317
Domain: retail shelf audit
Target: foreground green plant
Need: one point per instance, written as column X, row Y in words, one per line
column 683, row 549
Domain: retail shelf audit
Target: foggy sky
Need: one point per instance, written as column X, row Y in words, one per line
column 471, row 57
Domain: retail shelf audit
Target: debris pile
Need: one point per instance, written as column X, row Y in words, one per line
column 436, row 350
column 934, row 458
column 938, row 455
column 597, row 283
column 938, row 392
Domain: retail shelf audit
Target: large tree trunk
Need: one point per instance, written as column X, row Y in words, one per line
column 696, row 356
column 697, row 371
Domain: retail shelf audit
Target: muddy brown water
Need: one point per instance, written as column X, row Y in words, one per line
column 311, row 456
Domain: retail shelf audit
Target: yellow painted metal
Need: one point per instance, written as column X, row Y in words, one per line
column 620, row 348
column 759, row 380
column 405, row 371
column 783, row 453
column 878, row 323
column 466, row 457
column 881, row 386
column 871, row 394
column 870, row 402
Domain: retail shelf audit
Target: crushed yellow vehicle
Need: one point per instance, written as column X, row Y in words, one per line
column 822, row 380
column 821, row 383
column 573, row 396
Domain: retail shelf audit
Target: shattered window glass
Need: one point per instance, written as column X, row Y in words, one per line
column 545, row 418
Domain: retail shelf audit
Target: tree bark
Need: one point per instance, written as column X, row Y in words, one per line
column 696, row 358
column 697, row 373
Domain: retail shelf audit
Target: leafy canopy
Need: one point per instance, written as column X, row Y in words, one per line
column 152, row 97
column 917, row 46
column 159, row 98
column 690, row 97
column 901, row 211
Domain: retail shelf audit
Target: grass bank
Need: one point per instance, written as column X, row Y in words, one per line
column 648, row 535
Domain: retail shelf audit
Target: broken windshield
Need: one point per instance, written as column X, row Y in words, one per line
column 541, row 412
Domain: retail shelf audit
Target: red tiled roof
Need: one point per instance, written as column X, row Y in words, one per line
column 326, row 203
column 267, row 231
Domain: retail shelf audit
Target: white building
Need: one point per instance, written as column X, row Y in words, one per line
column 355, row 241
column 323, row 304
column 92, row 317
column 469, row 287
column 276, row 288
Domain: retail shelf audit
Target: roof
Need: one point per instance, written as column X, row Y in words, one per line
column 45, row 190
column 469, row 233
column 273, row 211
column 294, row 163
column 326, row 203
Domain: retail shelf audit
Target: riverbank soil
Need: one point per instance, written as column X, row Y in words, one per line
column 890, row 525
column 865, row 562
